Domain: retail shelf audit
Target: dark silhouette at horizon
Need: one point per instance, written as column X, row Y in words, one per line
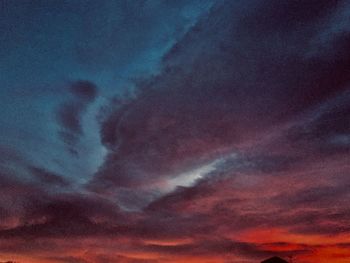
column 274, row 260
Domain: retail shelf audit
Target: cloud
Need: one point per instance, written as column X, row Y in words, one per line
column 68, row 259
column 65, row 215
column 69, row 114
column 229, row 81
column 47, row 177
column 327, row 131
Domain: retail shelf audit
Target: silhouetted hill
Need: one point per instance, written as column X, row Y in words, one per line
column 274, row 260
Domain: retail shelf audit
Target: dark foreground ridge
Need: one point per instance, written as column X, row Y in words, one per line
column 274, row 260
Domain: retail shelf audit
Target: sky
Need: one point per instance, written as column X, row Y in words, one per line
column 151, row 131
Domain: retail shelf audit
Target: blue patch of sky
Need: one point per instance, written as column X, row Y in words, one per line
column 45, row 44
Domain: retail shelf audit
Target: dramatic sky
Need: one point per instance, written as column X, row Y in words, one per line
column 163, row 131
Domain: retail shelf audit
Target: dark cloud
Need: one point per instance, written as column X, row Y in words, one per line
column 229, row 80
column 66, row 215
column 14, row 196
column 84, row 89
column 69, row 114
column 211, row 248
column 285, row 17
column 68, row 259
column 48, row 177
column 328, row 132
column 321, row 196
column 122, row 259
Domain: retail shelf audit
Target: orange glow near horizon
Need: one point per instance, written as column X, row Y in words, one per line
column 316, row 249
